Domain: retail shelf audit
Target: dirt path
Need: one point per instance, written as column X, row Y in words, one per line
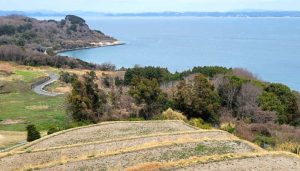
column 39, row 89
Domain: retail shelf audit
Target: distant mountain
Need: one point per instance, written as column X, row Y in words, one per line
column 237, row 13
column 214, row 14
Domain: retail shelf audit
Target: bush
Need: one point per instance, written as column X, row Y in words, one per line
column 198, row 122
column 66, row 77
column 229, row 127
column 52, row 130
column 264, row 141
column 32, row 133
column 170, row 114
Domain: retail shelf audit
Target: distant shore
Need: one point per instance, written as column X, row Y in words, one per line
column 92, row 45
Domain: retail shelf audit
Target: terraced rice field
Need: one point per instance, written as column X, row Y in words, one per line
column 153, row 145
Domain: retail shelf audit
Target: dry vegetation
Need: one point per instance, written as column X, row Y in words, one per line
column 8, row 138
column 142, row 145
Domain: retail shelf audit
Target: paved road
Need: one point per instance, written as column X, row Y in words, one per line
column 39, row 89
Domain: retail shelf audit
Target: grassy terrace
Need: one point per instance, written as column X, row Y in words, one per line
column 20, row 106
column 142, row 145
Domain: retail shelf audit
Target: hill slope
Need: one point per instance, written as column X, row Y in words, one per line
column 70, row 33
column 152, row 145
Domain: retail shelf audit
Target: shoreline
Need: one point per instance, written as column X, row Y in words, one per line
column 93, row 45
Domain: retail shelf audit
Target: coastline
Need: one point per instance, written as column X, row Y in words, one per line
column 92, row 45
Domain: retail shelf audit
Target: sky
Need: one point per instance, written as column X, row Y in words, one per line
column 118, row 6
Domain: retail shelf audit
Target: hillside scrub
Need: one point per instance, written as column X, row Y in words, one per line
column 33, row 58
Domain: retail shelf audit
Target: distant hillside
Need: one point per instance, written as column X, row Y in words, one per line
column 238, row 13
column 70, row 33
column 29, row 41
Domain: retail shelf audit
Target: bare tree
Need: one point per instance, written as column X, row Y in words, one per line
column 244, row 73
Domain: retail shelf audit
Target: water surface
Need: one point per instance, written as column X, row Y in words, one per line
column 269, row 47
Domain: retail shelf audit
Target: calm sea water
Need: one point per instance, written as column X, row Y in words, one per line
column 268, row 47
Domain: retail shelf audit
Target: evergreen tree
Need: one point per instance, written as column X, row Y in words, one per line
column 86, row 101
column 32, row 133
column 148, row 92
column 197, row 99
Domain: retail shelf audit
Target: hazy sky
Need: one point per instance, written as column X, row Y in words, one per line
column 148, row 5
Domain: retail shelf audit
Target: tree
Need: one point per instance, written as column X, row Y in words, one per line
column 32, row 133
column 246, row 100
column 86, row 101
column 197, row 99
column 148, row 92
column 228, row 89
column 280, row 98
column 160, row 74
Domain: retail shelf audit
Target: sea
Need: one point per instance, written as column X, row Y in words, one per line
column 268, row 47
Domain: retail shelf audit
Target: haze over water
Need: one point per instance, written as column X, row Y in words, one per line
column 268, row 47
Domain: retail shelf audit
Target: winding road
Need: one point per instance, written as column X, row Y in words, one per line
column 39, row 89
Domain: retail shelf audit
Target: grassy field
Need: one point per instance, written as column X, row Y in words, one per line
column 19, row 106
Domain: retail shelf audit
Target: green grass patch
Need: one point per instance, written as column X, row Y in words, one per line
column 21, row 104
column 28, row 75
column 30, row 108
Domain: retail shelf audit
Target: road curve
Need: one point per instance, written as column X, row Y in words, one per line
column 39, row 89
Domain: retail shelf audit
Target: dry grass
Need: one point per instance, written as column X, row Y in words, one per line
column 8, row 138
column 101, row 132
column 142, row 147
column 154, row 137
column 204, row 159
column 6, row 68
column 293, row 147
column 11, row 121
column 37, row 107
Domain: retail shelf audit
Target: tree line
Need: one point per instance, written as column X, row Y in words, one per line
column 206, row 93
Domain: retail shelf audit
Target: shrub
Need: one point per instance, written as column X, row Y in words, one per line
column 52, row 130
column 32, row 133
column 264, row 141
column 198, row 122
column 170, row 114
column 229, row 127
column 67, row 77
